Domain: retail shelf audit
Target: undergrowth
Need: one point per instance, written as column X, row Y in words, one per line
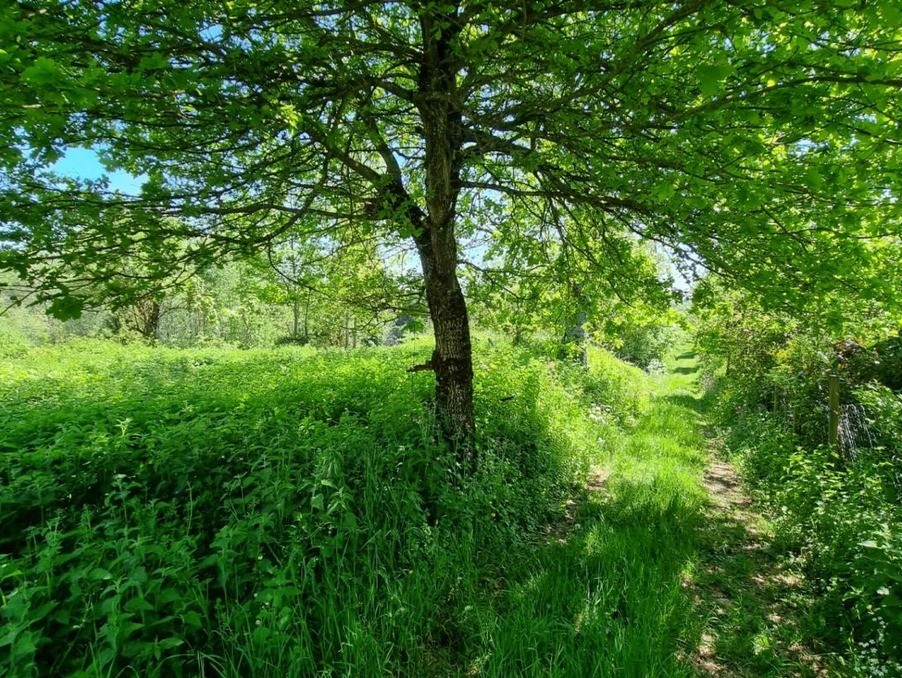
column 837, row 513
column 257, row 513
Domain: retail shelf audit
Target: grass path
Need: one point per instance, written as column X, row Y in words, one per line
column 664, row 568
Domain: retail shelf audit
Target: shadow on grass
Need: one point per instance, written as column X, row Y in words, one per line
column 693, row 403
column 754, row 606
column 605, row 596
column 699, row 405
column 686, row 370
column 606, row 600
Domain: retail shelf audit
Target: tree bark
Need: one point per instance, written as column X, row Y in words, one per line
column 144, row 317
column 574, row 343
column 452, row 358
column 307, row 318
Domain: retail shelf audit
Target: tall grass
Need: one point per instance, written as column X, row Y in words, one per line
column 604, row 596
column 259, row 513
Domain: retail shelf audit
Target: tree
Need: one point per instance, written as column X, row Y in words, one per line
column 756, row 139
column 348, row 286
column 530, row 280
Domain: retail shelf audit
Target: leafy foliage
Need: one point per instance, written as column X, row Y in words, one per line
column 726, row 131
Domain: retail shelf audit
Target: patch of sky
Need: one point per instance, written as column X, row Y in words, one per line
column 84, row 163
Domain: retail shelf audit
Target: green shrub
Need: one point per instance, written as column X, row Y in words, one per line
column 643, row 344
column 840, row 514
column 12, row 342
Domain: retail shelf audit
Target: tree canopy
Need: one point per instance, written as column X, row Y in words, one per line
column 759, row 140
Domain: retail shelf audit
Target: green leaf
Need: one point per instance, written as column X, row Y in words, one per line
column 711, row 78
column 192, row 619
column 99, row 574
column 663, row 190
column 138, row 605
column 170, row 643
column 43, row 71
column 153, row 62
column 66, row 308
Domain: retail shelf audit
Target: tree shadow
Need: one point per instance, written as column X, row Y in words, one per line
column 701, row 404
column 753, row 603
column 601, row 599
column 686, row 370
column 695, row 404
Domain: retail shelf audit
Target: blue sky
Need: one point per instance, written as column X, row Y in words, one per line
column 83, row 163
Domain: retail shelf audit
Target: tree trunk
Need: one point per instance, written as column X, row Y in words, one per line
column 574, row 344
column 153, row 321
column 452, row 359
column 145, row 317
column 307, row 319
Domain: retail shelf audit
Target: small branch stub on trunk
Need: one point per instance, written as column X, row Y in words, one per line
column 425, row 367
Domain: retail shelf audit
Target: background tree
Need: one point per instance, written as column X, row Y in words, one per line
column 290, row 274
column 758, row 140
column 338, row 293
column 534, row 275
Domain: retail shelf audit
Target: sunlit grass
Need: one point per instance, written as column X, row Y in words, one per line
column 607, row 599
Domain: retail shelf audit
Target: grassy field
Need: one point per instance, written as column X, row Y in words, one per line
column 252, row 513
column 290, row 512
